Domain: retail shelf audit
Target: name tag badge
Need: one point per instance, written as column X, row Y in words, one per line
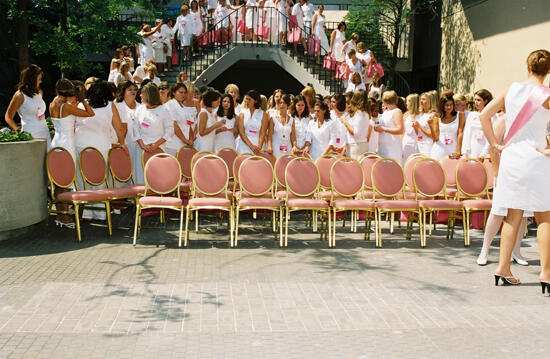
column 420, row 138
column 449, row 141
column 253, row 131
column 190, row 123
column 479, row 138
column 41, row 116
column 338, row 141
column 283, row 148
column 145, row 124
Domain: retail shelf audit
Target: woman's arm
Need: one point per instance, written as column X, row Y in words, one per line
column 15, row 103
column 332, row 36
column 203, row 130
column 70, row 109
column 485, row 118
column 433, row 122
column 266, row 123
column 293, row 137
column 179, row 133
column 398, row 122
column 313, row 21
column 117, row 125
column 244, row 137
column 461, row 123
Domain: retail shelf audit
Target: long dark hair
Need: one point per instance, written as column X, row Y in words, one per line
column 446, row 96
column 28, row 79
column 231, row 111
column 121, row 89
column 99, row 94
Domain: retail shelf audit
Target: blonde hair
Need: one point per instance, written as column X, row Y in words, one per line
column 232, row 87
column 189, row 86
column 355, row 36
column 390, row 97
column 152, row 94
column 355, row 78
column 428, row 98
column 309, row 93
column 359, row 102
column 263, row 104
column 434, row 100
column 414, row 100
column 121, row 66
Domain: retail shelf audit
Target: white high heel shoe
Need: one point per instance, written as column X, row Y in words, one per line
column 70, row 225
column 482, row 260
column 520, row 261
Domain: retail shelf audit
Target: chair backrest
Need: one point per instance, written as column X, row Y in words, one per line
column 162, row 174
column 408, row 167
column 388, row 178
column 228, row 154
column 120, row 165
column 302, row 177
column 280, row 168
column 268, row 156
column 449, row 166
column 490, row 172
column 346, row 177
column 60, row 168
column 237, row 165
column 471, row 178
column 185, row 155
column 145, row 156
column 367, row 162
column 93, row 167
column 210, row 176
column 324, row 164
column 256, row 176
column 368, row 154
column 429, row 178
column 198, row 155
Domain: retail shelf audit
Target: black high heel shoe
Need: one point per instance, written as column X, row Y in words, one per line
column 507, row 280
column 544, row 286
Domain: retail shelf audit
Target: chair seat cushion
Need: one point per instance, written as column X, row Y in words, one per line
column 398, row 204
column 97, row 195
column 259, row 202
column 477, row 203
column 160, row 201
column 353, row 203
column 282, row 195
column 210, row 202
column 306, row 203
column 412, row 196
column 222, row 194
column 126, row 191
column 369, row 195
column 327, row 195
column 441, row 204
column 244, row 194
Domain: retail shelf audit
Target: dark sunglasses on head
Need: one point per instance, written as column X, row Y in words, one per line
column 163, row 88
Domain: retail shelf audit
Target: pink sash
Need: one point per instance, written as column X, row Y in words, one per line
column 535, row 100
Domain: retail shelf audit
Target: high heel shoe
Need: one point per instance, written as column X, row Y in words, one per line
column 60, row 224
column 544, row 286
column 518, row 260
column 511, row 280
column 482, row 260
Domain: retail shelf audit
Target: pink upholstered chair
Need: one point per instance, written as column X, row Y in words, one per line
column 490, row 174
column 347, row 179
column 408, row 167
column 257, row 185
column 388, row 181
column 162, row 178
column 146, row 155
column 429, row 182
column 268, row 156
column 61, row 170
column 473, row 189
column 185, row 155
column 236, row 166
column 209, row 190
column 324, row 164
column 280, row 168
column 367, row 162
column 120, row 166
column 302, row 184
column 228, row 155
column 449, row 166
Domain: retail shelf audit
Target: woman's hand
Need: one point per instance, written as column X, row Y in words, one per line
column 544, row 151
column 269, row 150
column 295, row 150
column 378, row 128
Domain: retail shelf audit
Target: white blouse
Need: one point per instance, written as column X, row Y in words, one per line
column 154, row 124
column 301, row 129
column 360, row 124
column 339, row 132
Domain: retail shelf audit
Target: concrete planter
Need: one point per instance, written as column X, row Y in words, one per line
column 23, row 192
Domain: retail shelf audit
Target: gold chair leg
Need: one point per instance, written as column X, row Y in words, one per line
column 280, row 226
column 77, row 221
column 181, row 226
column 188, row 212
column 108, row 210
column 232, row 240
column 379, row 239
column 236, row 240
column 196, row 221
column 138, row 214
column 333, row 228
column 287, row 215
column 391, row 221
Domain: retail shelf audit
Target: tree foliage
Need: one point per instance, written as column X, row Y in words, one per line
column 73, row 30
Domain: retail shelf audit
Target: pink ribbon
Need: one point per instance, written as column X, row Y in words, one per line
column 535, row 100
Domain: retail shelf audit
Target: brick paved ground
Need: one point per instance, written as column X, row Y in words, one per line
column 104, row 298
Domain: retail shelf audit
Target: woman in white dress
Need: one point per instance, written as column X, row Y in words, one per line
column 271, row 21
column 523, row 182
column 183, row 134
column 318, row 137
column 29, row 105
column 159, row 43
column 351, row 44
column 227, row 134
column 155, row 125
column 301, row 119
column 390, row 128
column 410, row 137
column 372, row 135
column 284, row 14
column 127, row 105
column 208, row 121
column 474, row 143
column 447, row 130
column 358, row 124
column 96, row 131
column 233, row 90
column 123, row 73
column 355, row 83
column 318, row 25
column 337, row 40
column 423, row 130
column 338, row 132
column 63, row 111
column 196, row 23
column 185, row 31
column 251, row 18
column 252, row 124
column 283, row 138
column 146, row 45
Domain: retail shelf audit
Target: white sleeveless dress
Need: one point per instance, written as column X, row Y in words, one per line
column 196, row 23
column 425, row 143
column 301, row 127
column 448, row 140
column 225, row 138
column 33, row 119
column 206, row 142
column 128, row 116
column 64, row 133
column 389, row 145
column 410, row 138
column 281, row 136
column 373, row 140
column 185, row 117
column 252, row 126
column 338, row 45
column 474, row 142
column 523, row 181
column 319, row 32
column 319, row 137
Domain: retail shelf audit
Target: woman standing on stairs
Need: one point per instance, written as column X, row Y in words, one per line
column 318, row 26
column 337, row 39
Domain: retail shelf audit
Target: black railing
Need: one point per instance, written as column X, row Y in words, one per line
column 262, row 29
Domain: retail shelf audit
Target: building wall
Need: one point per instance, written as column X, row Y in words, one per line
column 485, row 43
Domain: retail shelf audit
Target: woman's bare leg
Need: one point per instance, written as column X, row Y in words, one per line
column 507, row 240
column 543, row 239
column 519, row 238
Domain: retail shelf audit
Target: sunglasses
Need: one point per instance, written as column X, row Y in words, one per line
column 163, row 88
